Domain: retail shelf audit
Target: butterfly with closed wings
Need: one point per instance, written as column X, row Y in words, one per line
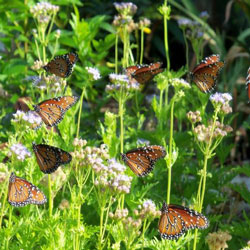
column 175, row 220
column 22, row 192
column 52, row 111
column 142, row 160
column 63, row 65
column 143, row 73
column 50, row 158
column 205, row 74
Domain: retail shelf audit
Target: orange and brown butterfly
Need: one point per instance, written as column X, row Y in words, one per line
column 142, row 160
column 175, row 220
column 143, row 73
column 50, row 158
column 205, row 74
column 22, row 192
column 52, row 111
column 248, row 83
column 63, row 65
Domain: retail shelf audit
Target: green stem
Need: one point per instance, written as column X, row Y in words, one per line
column 186, row 45
column 116, row 52
column 80, row 113
column 166, row 37
column 169, row 163
column 50, row 196
column 9, row 227
column 161, row 110
column 207, row 155
column 3, row 203
column 121, row 121
column 142, row 45
column 101, row 229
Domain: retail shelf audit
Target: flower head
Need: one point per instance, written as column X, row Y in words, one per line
column 29, row 118
column 43, row 11
column 179, row 82
column 20, row 151
column 126, row 9
column 93, row 73
column 218, row 240
column 204, row 15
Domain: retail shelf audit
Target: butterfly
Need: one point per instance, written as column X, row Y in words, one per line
column 205, row 74
column 52, row 111
column 143, row 73
column 175, row 220
column 50, row 158
column 63, row 65
column 141, row 160
column 248, row 83
column 22, row 192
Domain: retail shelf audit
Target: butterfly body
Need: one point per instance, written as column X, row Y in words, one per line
column 49, row 158
column 63, row 65
column 176, row 220
column 141, row 160
column 143, row 73
column 52, row 111
column 205, row 74
column 22, row 192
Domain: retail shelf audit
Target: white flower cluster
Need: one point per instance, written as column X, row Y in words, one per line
column 127, row 9
column 94, row 73
column 31, row 117
column 179, row 82
column 118, row 78
column 43, row 11
column 147, row 209
column 220, row 98
column 119, row 81
column 112, row 176
column 20, row 151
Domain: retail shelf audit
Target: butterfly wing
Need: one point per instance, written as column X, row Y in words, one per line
column 52, row 111
column 62, row 66
column 248, row 83
column 176, row 220
column 146, row 73
column 206, row 73
column 22, row 192
column 50, row 158
column 141, row 160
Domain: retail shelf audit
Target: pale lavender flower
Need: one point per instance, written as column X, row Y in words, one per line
column 217, row 98
column 220, row 98
column 20, row 151
column 127, row 9
column 118, row 78
column 94, row 73
column 227, row 97
column 204, row 15
column 143, row 142
column 184, row 22
column 30, row 117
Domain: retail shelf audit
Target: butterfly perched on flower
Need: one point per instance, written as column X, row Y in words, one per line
column 63, row 65
column 248, row 83
column 22, row 192
column 142, row 160
column 52, row 111
column 175, row 220
column 50, row 158
column 143, row 73
column 205, row 74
